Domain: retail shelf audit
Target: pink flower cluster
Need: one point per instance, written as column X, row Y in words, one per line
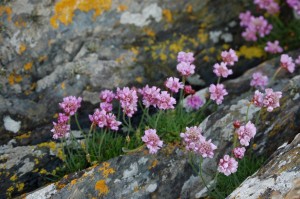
column 273, row 48
column 106, row 97
column 70, row 105
column 152, row 141
column 197, row 143
column 229, row 57
column 259, row 80
column 185, row 66
column 254, row 26
column 128, row 99
column 221, row 70
column 104, row 119
column 295, row 4
column 193, row 102
column 287, row 63
column 239, row 152
column 173, row 84
column 153, row 96
column 60, row 130
column 246, row 132
column 227, row 165
column 271, row 6
column 217, row 93
column 269, row 100
column 297, row 61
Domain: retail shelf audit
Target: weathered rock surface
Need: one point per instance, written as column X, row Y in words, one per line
column 279, row 178
column 274, row 129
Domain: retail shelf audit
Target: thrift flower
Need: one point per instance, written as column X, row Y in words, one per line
column 173, row 84
column 193, row 102
column 295, row 4
column 128, row 99
column 259, row 80
column 245, row 133
column 217, row 93
column 258, row 98
column 99, row 118
column 112, row 123
column 62, row 118
column 206, row 148
column 70, row 105
column 60, row 130
column 257, row 25
column 286, row 62
column 165, row 101
column 245, row 18
column 222, row 70
column 107, row 106
column 297, row 61
column 273, row 47
column 152, row 141
column 227, row 165
column 239, row 152
column 189, row 90
column 150, row 95
column 271, row 99
column 192, row 138
column 185, row 57
column 186, row 69
column 229, row 57
column 270, row 5
column 107, row 96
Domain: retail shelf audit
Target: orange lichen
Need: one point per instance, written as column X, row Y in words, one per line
column 28, row 66
column 167, row 15
column 206, row 58
column 73, row 181
column 63, row 86
column 153, row 164
column 101, row 187
column 149, row 32
column 24, row 136
column 189, row 8
column 42, row 58
column 64, row 10
column 22, row 48
column 19, row 23
column 122, row 8
column 7, row 10
column 14, row 78
column 106, row 170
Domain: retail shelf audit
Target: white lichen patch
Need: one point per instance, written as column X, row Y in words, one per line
column 144, row 18
column 142, row 161
column 214, row 36
column 11, row 125
column 129, row 173
column 27, row 167
column 227, row 37
column 242, row 107
column 151, row 188
column 43, row 193
column 296, row 96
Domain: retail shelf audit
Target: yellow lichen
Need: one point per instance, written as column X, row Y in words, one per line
column 63, row 86
column 101, row 187
column 64, row 10
column 36, row 161
column 10, row 189
column 28, row 66
column 206, row 58
column 149, row 32
column 134, row 51
column 24, row 136
column 43, row 171
column 14, row 177
column 167, row 15
column 163, row 57
column 189, row 8
column 22, row 48
column 153, row 164
column 20, row 186
column 122, row 8
column 106, row 170
column 7, row 10
column 250, row 52
column 139, row 79
column 202, row 36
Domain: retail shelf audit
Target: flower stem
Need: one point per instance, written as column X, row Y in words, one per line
column 247, row 119
column 158, row 116
column 219, row 79
column 200, row 174
column 274, row 76
column 77, row 122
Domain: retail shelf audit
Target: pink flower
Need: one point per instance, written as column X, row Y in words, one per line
column 60, row 130
column 217, row 93
column 239, row 152
column 173, row 84
column 245, row 18
column 295, row 4
column 270, row 5
column 273, row 47
column 271, row 99
column 165, row 101
column 297, row 61
column 128, row 99
column 249, row 34
column 192, row 138
column 259, row 80
column 185, row 57
column 107, row 106
column 258, row 99
column 70, row 105
column 227, row 165
column 99, row 118
column 286, row 62
column 193, row 102
column 186, row 69
column 150, row 95
column 222, row 70
column 229, row 57
column 257, row 25
column 62, row 118
column 206, row 148
column 246, row 132
column 107, row 96
column 112, row 123
column 273, row 8
column 152, row 141
column 189, row 90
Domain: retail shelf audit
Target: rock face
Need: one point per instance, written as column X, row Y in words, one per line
column 138, row 175
column 279, row 178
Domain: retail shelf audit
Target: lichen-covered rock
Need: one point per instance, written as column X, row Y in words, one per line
column 279, row 178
